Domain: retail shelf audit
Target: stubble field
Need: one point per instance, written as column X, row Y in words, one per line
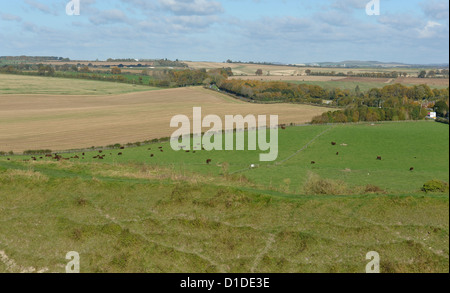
column 60, row 122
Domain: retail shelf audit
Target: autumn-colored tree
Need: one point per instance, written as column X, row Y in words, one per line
column 85, row 69
column 116, row 70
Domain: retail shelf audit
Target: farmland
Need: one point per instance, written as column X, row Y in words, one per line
column 126, row 213
column 35, row 85
column 64, row 121
column 174, row 212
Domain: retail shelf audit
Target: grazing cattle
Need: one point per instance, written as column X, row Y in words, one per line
column 379, row 158
column 119, row 154
column 411, row 169
column 162, row 151
column 283, row 126
column 100, row 152
column 188, row 151
column 122, row 148
column 83, row 154
column 208, row 161
column 48, row 156
column 337, row 154
column 9, row 159
column 333, row 143
column 76, row 157
column 194, row 152
column 149, row 149
column 312, row 162
column 152, row 155
column 160, row 147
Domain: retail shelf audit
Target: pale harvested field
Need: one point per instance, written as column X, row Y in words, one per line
column 97, row 63
column 60, row 122
column 20, row 84
column 280, row 70
column 429, row 81
column 289, row 78
column 249, row 69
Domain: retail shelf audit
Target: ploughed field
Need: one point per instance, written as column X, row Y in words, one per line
column 58, row 121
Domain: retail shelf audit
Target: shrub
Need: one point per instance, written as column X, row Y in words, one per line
column 373, row 189
column 435, row 186
column 37, row 152
column 315, row 185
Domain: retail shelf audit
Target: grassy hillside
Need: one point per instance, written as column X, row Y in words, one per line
column 421, row 145
column 140, row 219
column 175, row 213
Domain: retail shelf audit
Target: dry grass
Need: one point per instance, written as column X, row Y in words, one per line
column 289, row 78
column 428, row 81
column 19, row 84
column 14, row 174
column 66, row 122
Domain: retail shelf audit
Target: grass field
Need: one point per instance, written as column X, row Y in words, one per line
column 36, row 85
column 421, row 145
column 60, row 122
column 174, row 213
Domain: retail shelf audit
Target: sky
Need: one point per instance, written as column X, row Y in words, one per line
column 287, row 31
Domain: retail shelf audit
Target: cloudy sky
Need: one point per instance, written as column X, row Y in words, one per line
column 289, row 31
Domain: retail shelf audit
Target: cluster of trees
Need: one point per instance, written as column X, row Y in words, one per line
column 390, row 103
column 160, row 78
column 276, row 91
column 365, row 113
column 33, row 58
column 187, row 77
column 46, row 70
column 443, row 73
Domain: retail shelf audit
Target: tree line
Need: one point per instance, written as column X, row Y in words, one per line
column 158, row 78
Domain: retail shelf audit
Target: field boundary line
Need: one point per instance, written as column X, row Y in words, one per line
column 305, row 146
column 265, row 250
column 291, row 156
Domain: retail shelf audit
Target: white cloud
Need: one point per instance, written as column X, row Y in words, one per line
column 436, row 9
column 109, row 17
column 430, row 30
column 10, row 17
column 192, row 7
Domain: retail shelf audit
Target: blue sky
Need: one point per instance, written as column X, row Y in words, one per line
column 410, row 31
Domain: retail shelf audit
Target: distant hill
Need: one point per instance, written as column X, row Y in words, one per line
column 371, row 64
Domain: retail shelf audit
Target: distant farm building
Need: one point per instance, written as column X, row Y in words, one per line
column 432, row 115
